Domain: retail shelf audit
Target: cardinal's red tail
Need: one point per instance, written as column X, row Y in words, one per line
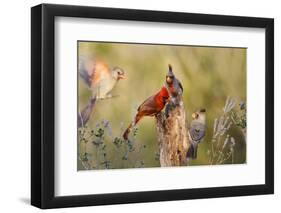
column 132, row 124
column 128, row 130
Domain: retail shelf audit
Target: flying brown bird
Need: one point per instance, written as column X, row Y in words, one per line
column 99, row 78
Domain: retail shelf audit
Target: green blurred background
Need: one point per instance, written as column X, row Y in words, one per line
column 208, row 74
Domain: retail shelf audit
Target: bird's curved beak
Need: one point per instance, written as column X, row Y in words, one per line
column 121, row 76
column 169, row 79
column 194, row 115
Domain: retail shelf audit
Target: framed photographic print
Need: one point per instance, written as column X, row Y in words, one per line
column 139, row 106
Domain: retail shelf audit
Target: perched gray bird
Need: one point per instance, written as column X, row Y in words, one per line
column 85, row 114
column 196, row 132
column 99, row 78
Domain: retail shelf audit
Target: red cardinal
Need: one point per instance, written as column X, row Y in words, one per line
column 150, row 107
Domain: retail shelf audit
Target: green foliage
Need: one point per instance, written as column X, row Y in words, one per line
column 94, row 149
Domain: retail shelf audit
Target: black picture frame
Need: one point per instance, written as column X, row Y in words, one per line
column 43, row 105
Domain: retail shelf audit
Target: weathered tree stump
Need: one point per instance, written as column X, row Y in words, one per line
column 172, row 136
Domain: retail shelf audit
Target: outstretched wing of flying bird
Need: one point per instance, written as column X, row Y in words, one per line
column 85, row 114
column 93, row 71
column 86, row 69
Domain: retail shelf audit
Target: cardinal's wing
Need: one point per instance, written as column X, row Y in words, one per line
column 149, row 106
column 148, row 102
